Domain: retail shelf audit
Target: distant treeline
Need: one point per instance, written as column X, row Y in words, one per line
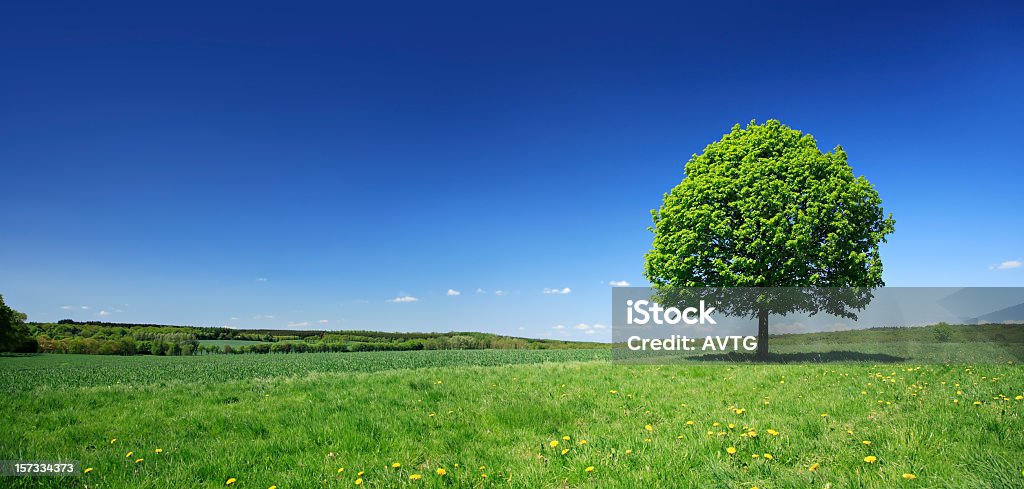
column 941, row 332
column 100, row 338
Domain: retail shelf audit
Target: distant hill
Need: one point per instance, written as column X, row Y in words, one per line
column 943, row 333
column 67, row 336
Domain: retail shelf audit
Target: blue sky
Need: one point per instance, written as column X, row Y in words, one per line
column 257, row 167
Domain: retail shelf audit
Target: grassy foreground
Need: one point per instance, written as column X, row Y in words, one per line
column 487, row 418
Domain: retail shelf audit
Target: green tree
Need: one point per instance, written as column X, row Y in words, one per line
column 764, row 207
column 14, row 334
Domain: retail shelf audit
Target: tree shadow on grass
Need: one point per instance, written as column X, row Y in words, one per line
column 809, row 357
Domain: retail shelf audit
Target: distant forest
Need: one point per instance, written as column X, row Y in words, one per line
column 101, row 338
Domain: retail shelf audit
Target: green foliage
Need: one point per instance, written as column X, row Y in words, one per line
column 14, row 335
column 148, row 339
column 764, row 207
column 943, row 332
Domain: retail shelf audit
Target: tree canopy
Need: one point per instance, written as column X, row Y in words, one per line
column 764, row 207
column 14, row 334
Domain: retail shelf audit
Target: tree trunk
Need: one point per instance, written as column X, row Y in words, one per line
column 762, row 334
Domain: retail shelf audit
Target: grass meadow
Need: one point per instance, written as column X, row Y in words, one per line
column 568, row 418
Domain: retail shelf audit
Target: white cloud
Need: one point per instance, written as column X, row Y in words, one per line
column 559, row 326
column 480, row 291
column 562, row 291
column 86, row 308
column 403, row 298
column 323, row 321
column 619, row 283
column 258, row 317
column 588, row 328
column 103, row 313
column 65, row 307
column 1007, row 265
column 499, row 292
column 302, row 324
column 234, row 318
column 261, row 279
column 453, row 293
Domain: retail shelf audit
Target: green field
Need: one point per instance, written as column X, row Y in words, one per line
column 233, row 343
column 293, row 421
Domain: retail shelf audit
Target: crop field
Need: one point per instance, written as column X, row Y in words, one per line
column 566, row 418
column 221, row 343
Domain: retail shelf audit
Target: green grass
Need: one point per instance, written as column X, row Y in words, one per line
column 294, row 420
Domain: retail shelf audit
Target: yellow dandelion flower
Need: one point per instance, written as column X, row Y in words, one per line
column 613, row 391
column 732, row 425
column 231, row 481
column 113, row 440
column 977, row 403
column 866, row 442
column 824, row 415
column 769, row 456
column 589, row 469
column 128, row 455
column 158, row 450
column 341, row 469
column 483, row 476
column 86, row 471
column 649, row 428
column 360, row 474
column 731, row 450
column 442, row 472
column 755, row 456
column 272, row 487
column 909, row 476
column 583, row 442
column 871, row 459
column 565, row 438
column 554, row 443
column 1019, row 398
column 415, row 477
column 396, row 465
column 716, row 424
column 139, row 460
column 752, row 434
column 483, row 467
column 690, row 422
column 359, row 481
column 565, row 451
column 773, row 432
column 813, row 467
column 629, row 451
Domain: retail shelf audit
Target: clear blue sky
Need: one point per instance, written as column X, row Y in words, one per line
column 254, row 166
